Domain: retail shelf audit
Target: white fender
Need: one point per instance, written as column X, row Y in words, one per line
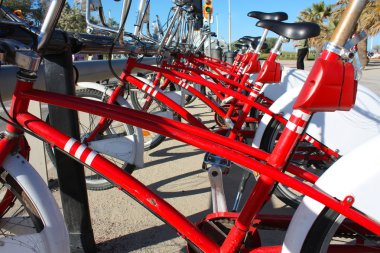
column 54, row 233
column 290, row 79
column 356, row 174
column 135, row 154
column 339, row 130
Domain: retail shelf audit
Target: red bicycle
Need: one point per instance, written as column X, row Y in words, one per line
column 353, row 203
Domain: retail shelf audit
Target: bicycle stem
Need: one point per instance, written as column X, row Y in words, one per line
column 348, row 22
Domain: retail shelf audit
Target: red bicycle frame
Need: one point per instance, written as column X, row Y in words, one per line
column 219, row 145
column 175, row 75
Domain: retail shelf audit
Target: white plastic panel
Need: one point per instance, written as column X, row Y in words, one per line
column 357, row 174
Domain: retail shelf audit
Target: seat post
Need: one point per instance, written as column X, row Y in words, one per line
column 262, row 40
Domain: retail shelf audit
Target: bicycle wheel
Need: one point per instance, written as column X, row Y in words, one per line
column 139, row 99
column 189, row 98
column 87, row 122
column 20, row 218
column 330, row 228
column 288, row 195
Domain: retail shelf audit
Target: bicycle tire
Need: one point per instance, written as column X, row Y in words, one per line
column 325, row 228
column 270, row 136
column 22, row 217
column 94, row 181
column 191, row 98
column 151, row 139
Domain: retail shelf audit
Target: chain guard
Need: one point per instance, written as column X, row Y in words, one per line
column 217, row 227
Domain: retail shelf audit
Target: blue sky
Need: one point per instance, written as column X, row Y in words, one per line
column 241, row 24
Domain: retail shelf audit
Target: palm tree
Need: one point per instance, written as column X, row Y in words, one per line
column 369, row 22
column 318, row 13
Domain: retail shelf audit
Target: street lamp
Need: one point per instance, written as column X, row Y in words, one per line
column 229, row 25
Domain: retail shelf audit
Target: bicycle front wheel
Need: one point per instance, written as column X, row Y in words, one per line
column 20, row 219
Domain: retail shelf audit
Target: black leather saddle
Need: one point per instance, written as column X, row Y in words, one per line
column 240, row 46
column 294, row 31
column 279, row 16
column 253, row 41
column 181, row 3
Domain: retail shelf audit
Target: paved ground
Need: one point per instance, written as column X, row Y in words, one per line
column 173, row 170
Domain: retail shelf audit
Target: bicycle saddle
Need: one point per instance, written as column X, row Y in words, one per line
column 279, row 16
column 213, row 34
column 240, row 46
column 295, row 31
column 247, row 42
column 181, row 3
column 255, row 41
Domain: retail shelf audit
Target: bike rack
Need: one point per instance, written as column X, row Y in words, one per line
column 59, row 69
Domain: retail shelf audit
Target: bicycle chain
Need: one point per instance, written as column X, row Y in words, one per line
column 228, row 223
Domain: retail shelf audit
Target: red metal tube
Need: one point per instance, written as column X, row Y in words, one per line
column 205, row 140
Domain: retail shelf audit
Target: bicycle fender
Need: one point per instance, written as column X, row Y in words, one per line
column 342, row 179
column 138, row 156
column 54, row 233
column 290, row 79
column 282, row 105
column 339, row 130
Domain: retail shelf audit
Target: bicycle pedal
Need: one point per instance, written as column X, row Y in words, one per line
column 214, row 160
column 229, row 123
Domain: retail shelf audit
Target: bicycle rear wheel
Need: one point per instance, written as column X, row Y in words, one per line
column 269, row 140
column 331, row 229
column 143, row 102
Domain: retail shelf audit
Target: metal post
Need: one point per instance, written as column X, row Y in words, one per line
column 209, row 36
column 217, row 26
column 199, row 14
column 229, row 25
column 59, row 78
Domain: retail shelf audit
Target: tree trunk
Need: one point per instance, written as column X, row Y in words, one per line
column 362, row 51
